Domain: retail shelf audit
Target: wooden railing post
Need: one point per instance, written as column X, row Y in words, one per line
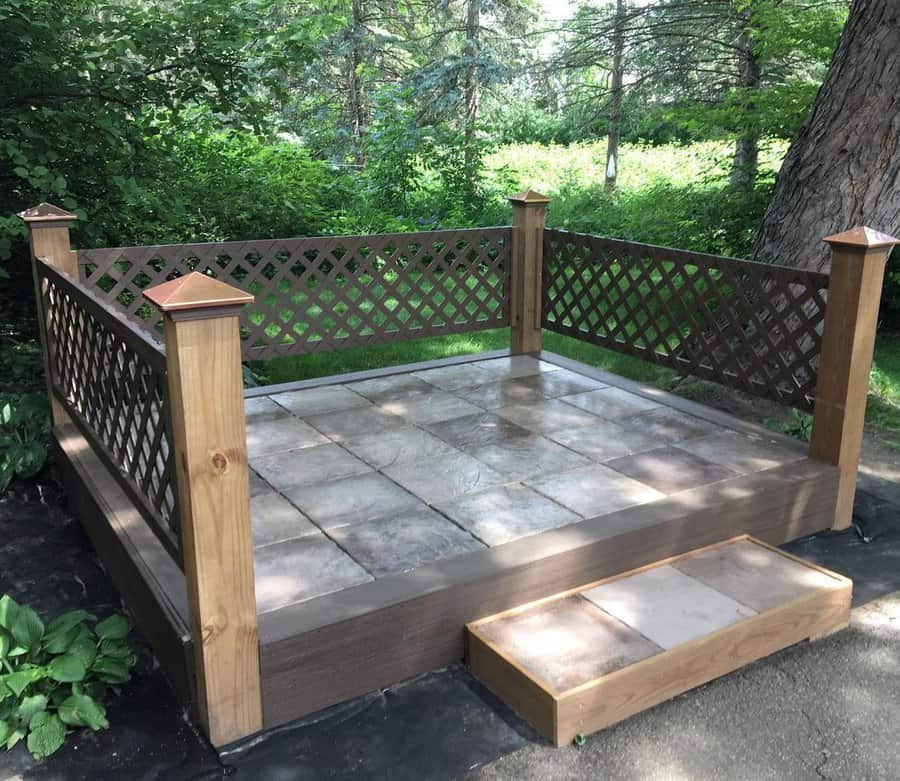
column 48, row 237
column 203, row 352
column 529, row 218
column 851, row 317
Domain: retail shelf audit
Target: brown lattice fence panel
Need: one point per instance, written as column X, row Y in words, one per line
column 747, row 325
column 111, row 379
column 331, row 292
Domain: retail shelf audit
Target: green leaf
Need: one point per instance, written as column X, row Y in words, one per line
column 5, row 731
column 113, row 628
column 4, row 647
column 46, row 736
column 111, row 670
column 27, row 629
column 67, row 620
column 15, row 736
column 60, row 642
column 67, row 668
column 80, row 710
column 31, row 706
column 22, row 679
column 84, row 649
column 8, row 608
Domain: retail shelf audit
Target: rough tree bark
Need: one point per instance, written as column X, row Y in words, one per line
column 615, row 98
column 356, row 103
column 471, row 94
column 843, row 168
column 746, row 149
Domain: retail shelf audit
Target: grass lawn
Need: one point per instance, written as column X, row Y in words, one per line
column 883, row 410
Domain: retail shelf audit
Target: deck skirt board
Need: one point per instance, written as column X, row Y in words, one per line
column 579, row 661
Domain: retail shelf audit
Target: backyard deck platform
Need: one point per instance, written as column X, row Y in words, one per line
column 391, row 509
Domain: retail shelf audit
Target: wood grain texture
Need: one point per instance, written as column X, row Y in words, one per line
column 333, row 648
column 848, row 342
column 526, row 255
column 599, row 701
column 210, row 440
column 52, row 243
column 149, row 581
column 512, row 684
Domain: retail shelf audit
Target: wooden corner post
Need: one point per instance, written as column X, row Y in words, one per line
column 200, row 322
column 858, row 260
column 529, row 218
column 48, row 238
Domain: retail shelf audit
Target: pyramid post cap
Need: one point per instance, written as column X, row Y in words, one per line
column 861, row 237
column 196, row 291
column 47, row 213
column 528, row 197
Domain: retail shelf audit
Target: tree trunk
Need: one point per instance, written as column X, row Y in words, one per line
column 615, row 99
column 746, row 149
column 470, row 88
column 843, row 168
column 356, row 104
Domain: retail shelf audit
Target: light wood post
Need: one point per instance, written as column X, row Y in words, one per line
column 529, row 218
column 851, row 317
column 200, row 324
column 48, row 237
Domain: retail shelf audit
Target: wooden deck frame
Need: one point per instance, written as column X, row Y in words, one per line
column 337, row 646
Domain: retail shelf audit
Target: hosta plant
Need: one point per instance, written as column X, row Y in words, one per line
column 56, row 676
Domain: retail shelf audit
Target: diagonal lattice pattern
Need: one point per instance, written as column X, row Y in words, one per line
column 330, row 292
column 111, row 379
column 750, row 326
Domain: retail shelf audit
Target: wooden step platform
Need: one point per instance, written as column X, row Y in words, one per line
column 582, row 660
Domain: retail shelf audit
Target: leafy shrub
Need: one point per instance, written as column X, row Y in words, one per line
column 57, row 676
column 799, row 427
column 24, row 428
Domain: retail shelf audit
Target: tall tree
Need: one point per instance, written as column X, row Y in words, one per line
column 617, row 78
column 843, row 168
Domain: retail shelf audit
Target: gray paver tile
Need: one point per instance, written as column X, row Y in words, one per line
column 275, row 519
column 349, row 423
column 440, row 405
column 515, row 366
column 505, row 513
column 403, row 541
column 462, row 375
column 528, row 456
column 753, row 575
column 743, row 453
column 263, row 408
column 611, row 403
column 317, row 401
column 444, row 477
column 350, row 499
column 475, row 430
column 666, row 606
column 603, row 440
column 547, row 416
column 670, row 470
column 269, row 436
column 670, row 426
column 395, row 445
column 561, row 383
column 309, row 465
column 595, row 490
column 300, row 569
column 500, row 394
column 397, row 387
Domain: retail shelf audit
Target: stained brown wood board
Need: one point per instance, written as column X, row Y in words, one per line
column 585, row 659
